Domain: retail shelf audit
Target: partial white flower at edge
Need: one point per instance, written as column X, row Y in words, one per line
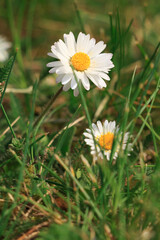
column 104, row 135
column 4, row 46
column 85, row 57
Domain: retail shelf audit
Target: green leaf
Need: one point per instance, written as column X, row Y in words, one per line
column 17, row 110
column 5, row 74
column 66, row 140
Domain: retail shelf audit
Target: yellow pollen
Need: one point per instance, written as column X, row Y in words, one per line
column 80, row 61
column 106, row 141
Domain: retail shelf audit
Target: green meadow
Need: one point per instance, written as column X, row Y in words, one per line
column 52, row 187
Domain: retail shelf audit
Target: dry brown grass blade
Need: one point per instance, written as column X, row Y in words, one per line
column 8, row 128
column 108, row 233
column 37, row 206
column 86, row 163
column 32, row 208
column 20, row 90
column 34, row 231
column 69, row 126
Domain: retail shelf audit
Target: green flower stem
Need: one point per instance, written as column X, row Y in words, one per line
column 5, row 114
column 86, row 110
column 83, row 100
column 47, row 108
column 79, row 17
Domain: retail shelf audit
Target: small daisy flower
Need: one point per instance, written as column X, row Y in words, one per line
column 4, row 46
column 104, row 135
column 85, row 57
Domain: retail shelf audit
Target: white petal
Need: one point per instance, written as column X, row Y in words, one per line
column 106, row 123
column 56, row 52
column 115, row 155
column 96, row 131
column 126, row 136
column 82, row 76
column 104, row 76
column 60, row 50
column 101, row 61
column 52, row 70
column 54, row 64
column 62, row 70
column 99, row 69
column 100, row 155
column 52, row 55
column 87, row 43
column 108, row 155
column 76, row 92
column 100, row 75
column 88, row 130
column 91, row 45
column 73, row 83
column 92, row 78
column 80, row 42
column 97, row 80
column 88, row 135
column 111, row 126
column 98, row 48
column 67, row 87
column 99, row 124
column 109, row 55
column 64, row 49
column 85, row 82
column 88, row 142
column 66, row 78
column 84, row 44
column 70, row 42
column 93, row 152
column 101, row 82
column 59, row 78
column 106, row 126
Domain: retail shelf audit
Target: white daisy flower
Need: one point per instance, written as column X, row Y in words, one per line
column 85, row 57
column 104, row 135
column 4, row 46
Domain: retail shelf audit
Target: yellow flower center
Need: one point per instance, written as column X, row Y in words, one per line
column 80, row 61
column 106, row 140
